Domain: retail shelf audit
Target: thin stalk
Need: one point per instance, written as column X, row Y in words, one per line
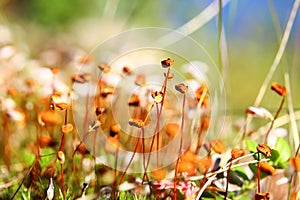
column 275, row 19
column 157, row 139
column 204, row 179
column 144, row 156
column 283, row 120
column 245, row 131
column 258, row 172
column 152, row 141
column 164, row 87
column 275, row 117
column 62, row 148
column 62, row 143
column 66, row 116
column 278, row 56
column 63, row 181
column 131, row 159
column 180, row 147
column 207, row 183
column 143, row 146
column 163, row 90
column 200, row 133
column 85, row 115
column 220, row 17
column 146, row 164
column 199, row 143
column 94, row 142
column 227, row 180
column 294, row 128
column 198, row 108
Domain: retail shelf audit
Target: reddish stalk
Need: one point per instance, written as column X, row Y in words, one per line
column 157, row 139
column 227, row 180
column 85, row 116
column 180, row 147
column 204, row 179
column 163, row 90
column 62, row 148
column 131, row 159
column 159, row 111
column 146, row 164
column 164, row 87
column 141, row 132
column 153, row 139
column 275, row 117
column 145, row 177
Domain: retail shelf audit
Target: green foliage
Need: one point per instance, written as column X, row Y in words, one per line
column 126, row 195
column 28, row 157
column 68, row 195
column 55, row 13
column 26, row 195
column 274, row 156
column 48, row 156
column 251, row 145
column 241, row 172
column 215, row 197
column 280, row 154
column 284, row 151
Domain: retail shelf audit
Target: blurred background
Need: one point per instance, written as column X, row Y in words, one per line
column 252, row 30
